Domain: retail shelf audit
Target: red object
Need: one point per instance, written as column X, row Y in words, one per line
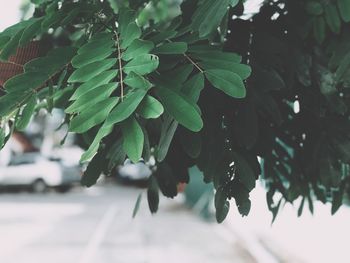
column 16, row 62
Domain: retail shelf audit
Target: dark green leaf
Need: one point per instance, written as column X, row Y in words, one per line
column 31, row 31
column 128, row 35
column 181, row 109
column 92, row 116
column 171, row 48
column 344, row 9
column 150, row 108
column 11, row 47
column 94, row 146
column 153, row 194
column 168, row 130
column 91, row 70
column 244, row 173
column 227, row 81
column 101, row 79
column 193, row 87
column 136, row 81
column 137, row 205
column 137, row 47
column 26, row 82
column 143, row 64
column 133, row 139
column 91, row 97
column 241, row 70
column 94, row 55
column 93, row 171
column 332, row 18
column 126, row 107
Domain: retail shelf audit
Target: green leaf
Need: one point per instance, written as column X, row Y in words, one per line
column 4, row 40
column 131, row 33
column 233, row 3
column 180, row 74
column 215, row 56
column 2, row 138
column 114, row 5
column 26, row 82
column 319, row 29
column 86, row 58
column 344, row 10
column 101, row 79
column 136, row 81
column 153, row 194
column 143, row 64
column 93, row 171
column 244, row 173
column 222, row 206
column 150, row 108
column 50, row 97
column 70, row 16
column 332, row 18
column 168, row 129
column 116, row 154
column 133, row 139
column 244, row 207
column 126, row 107
column 171, row 48
column 52, row 63
column 181, row 109
column 13, row 30
column 53, row 20
column 91, row 70
column 193, row 87
column 31, row 31
column 10, row 102
column 94, row 146
column 11, row 47
column 137, row 205
column 104, row 43
column 241, row 70
column 137, row 47
column 301, row 207
column 191, row 143
column 208, row 15
column 92, row 116
column 126, row 16
column 314, row 8
column 343, row 68
column 338, row 196
column 227, row 81
column 91, row 97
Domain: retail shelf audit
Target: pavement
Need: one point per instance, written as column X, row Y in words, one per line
column 96, row 226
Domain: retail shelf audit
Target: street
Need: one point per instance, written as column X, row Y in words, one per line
column 96, row 226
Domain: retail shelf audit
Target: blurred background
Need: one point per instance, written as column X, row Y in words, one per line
column 45, row 216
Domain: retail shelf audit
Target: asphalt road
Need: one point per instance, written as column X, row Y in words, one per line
column 95, row 226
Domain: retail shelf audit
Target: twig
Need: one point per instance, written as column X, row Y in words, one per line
column 194, row 63
column 120, row 68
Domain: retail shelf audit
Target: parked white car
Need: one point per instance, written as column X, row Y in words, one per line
column 39, row 173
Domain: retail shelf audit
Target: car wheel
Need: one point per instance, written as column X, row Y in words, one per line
column 64, row 188
column 39, row 186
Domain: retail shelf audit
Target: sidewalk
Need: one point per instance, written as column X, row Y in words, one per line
column 175, row 234
column 95, row 226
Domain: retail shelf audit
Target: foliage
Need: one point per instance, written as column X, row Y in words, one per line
column 217, row 93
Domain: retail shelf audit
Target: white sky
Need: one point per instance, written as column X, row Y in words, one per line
column 9, row 13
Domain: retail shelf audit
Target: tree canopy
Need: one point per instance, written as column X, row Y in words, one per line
column 193, row 82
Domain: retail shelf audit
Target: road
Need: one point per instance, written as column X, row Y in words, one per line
column 95, row 226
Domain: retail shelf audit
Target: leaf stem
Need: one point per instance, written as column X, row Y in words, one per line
column 194, row 63
column 120, row 67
